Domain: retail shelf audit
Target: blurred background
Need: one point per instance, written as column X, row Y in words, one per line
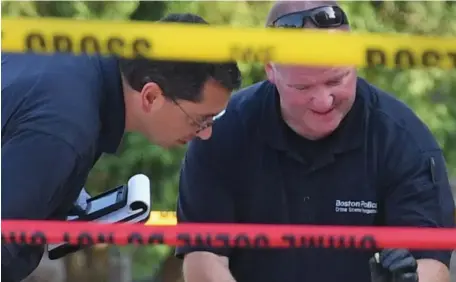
column 429, row 92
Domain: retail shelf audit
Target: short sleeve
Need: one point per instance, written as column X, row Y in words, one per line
column 205, row 187
column 420, row 195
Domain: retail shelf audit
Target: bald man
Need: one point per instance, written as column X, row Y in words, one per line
column 318, row 146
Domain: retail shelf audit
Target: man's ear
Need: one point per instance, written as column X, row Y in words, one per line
column 152, row 97
column 269, row 69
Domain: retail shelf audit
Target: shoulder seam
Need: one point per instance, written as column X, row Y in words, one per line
column 409, row 134
column 374, row 91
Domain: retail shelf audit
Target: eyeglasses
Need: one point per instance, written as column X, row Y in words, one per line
column 200, row 125
column 321, row 17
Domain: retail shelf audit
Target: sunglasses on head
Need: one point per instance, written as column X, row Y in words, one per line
column 321, row 17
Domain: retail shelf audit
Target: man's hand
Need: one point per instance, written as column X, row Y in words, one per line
column 393, row 265
column 206, row 267
column 82, row 199
column 80, row 204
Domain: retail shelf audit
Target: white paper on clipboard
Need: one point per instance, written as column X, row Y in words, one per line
column 136, row 210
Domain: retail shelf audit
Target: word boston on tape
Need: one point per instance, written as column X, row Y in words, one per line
column 164, row 41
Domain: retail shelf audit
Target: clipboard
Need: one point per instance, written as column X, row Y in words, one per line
column 128, row 203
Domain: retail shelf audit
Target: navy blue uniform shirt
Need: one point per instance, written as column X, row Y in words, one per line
column 374, row 170
column 59, row 114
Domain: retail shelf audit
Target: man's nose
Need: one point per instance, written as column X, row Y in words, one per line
column 205, row 133
column 323, row 101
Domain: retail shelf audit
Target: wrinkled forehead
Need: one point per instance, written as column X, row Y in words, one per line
column 310, row 74
column 283, row 7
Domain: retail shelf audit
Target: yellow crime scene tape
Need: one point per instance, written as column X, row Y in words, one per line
column 162, row 218
column 223, row 43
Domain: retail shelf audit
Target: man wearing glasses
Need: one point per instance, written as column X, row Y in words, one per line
column 318, row 146
column 61, row 112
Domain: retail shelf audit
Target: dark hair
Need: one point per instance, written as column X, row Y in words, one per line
column 180, row 80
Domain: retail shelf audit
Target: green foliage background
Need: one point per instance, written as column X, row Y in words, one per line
column 432, row 93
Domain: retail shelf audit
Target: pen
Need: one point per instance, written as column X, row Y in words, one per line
column 432, row 169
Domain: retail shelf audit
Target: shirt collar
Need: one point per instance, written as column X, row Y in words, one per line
column 112, row 106
column 280, row 137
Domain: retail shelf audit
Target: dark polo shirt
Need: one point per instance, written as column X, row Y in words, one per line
column 381, row 167
column 59, row 114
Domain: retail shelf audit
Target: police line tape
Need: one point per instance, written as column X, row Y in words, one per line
column 222, row 43
column 227, row 235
